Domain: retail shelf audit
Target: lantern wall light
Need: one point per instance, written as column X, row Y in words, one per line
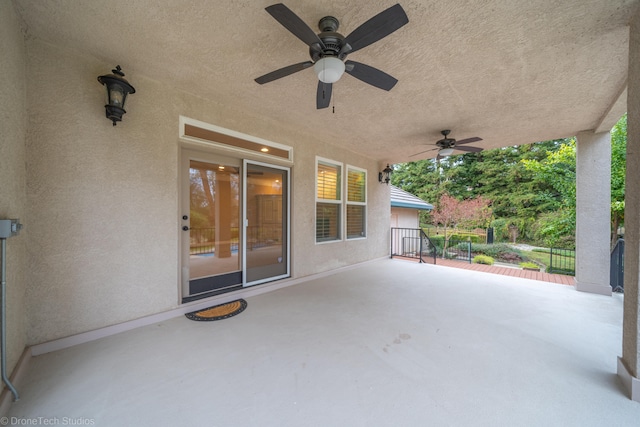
column 117, row 88
column 385, row 175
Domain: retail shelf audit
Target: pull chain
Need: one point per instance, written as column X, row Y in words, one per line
column 333, row 108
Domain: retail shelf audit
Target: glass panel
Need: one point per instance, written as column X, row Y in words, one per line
column 328, row 181
column 266, row 209
column 356, row 186
column 327, row 222
column 214, row 219
column 356, row 221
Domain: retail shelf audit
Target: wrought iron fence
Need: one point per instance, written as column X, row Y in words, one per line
column 617, row 267
column 459, row 250
column 412, row 243
column 562, row 261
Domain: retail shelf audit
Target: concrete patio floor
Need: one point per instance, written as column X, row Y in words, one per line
column 388, row 343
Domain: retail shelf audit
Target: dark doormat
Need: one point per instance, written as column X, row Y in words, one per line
column 218, row 312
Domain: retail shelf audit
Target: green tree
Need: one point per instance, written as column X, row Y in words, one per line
column 618, row 172
column 558, row 169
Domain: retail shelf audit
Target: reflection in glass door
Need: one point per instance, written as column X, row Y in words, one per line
column 266, row 223
column 213, row 227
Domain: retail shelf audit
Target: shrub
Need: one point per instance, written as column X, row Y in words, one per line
column 493, row 250
column 511, row 257
column 466, row 237
column 483, row 259
column 529, row 265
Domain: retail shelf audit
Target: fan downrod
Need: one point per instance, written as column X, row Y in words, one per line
column 329, row 24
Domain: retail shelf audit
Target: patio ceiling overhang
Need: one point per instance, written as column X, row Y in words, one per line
column 509, row 72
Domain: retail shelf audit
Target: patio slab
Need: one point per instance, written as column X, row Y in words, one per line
column 385, row 344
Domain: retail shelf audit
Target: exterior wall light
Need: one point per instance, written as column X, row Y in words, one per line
column 117, row 90
column 385, row 175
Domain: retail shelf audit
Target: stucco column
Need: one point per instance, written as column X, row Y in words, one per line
column 629, row 363
column 593, row 212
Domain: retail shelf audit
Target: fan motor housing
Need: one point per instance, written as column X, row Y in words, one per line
column 333, row 43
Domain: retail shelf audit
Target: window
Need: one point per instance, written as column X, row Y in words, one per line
column 356, row 203
column 328, row 200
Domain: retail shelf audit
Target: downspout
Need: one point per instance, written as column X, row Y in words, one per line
column 8, row 228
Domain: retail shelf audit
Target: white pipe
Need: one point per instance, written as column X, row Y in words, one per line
column 3, row 332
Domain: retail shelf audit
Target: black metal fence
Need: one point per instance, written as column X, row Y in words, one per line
column 562, row 261
column 459, row 250
column 617, row 267
column 412, row 243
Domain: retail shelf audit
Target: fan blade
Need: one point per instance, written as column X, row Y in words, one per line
column 426, row 151
column 376, row 28
column 283, row 72
column 468, row 140
column 323, row 95
column 470, row 149
column 294, row 24
column 370, row 75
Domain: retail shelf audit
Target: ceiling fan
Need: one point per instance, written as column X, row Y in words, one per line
column 447, row 146
column 329, row 49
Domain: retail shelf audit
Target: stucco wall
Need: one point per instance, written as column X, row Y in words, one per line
column 13, row 125
column 631, row 321
column 103, row 200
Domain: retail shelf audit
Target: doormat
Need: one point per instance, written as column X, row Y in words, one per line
column 218, row 312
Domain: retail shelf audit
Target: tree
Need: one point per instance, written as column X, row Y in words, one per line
column 451, row 212
column 618, row 172
column 558, row 169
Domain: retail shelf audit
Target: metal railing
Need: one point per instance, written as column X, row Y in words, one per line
column 202, row 241
column 412, row 243
column 562, row 261
column 617, row 267
column 459, row 250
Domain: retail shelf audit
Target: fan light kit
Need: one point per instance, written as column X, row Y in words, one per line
column 329, row 69
column 445, row 152
column 329, row 49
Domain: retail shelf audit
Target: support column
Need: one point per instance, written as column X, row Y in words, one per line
column 593, row 212
column 629, row 363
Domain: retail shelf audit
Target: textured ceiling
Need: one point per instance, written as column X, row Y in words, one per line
column 509, row 71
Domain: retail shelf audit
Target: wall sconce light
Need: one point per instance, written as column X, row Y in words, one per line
column 385, row 175
column 117, row 90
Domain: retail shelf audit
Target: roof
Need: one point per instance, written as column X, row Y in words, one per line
column 402, row 199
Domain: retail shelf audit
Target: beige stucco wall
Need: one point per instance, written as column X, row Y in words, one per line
column 631, row 321
column 13, row 128
column 103, row 200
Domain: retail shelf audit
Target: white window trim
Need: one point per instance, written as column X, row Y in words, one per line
column 347, row 202
column 327, row 201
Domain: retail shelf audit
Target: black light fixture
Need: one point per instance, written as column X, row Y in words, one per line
column 385, row 175
column 117, row 90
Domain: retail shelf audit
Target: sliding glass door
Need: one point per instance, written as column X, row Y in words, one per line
column 234, row 224
column 266, row 213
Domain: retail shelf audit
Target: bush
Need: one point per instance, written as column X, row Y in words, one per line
column 466, row 237
column 500, row 251
column 529, row 265
column 483, row 259
column 496, row 250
